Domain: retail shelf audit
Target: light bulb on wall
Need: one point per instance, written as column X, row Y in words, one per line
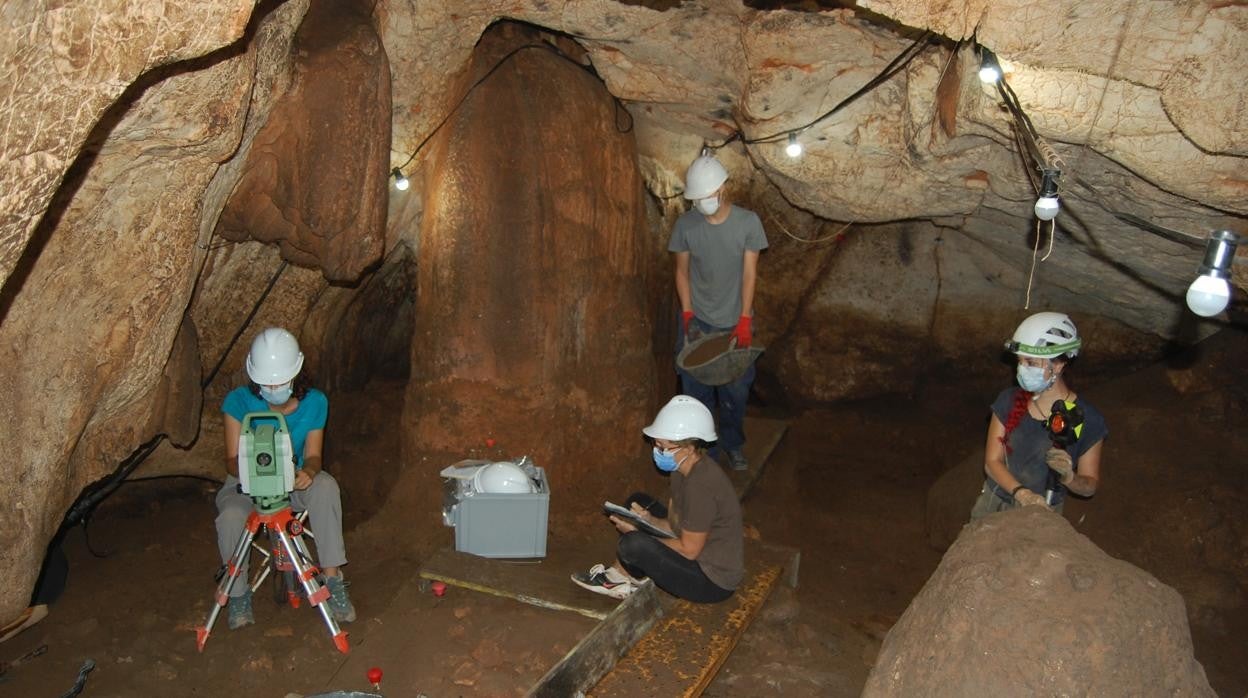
column 1210, row 292
column 794, row 148
column 989, row 69
column 1047, row 206
column 400, row 181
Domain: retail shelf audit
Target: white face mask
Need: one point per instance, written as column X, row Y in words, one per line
column 707, row 206
column 1031, row 378
column 277, row 395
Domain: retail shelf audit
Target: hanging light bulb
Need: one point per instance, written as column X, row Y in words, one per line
column 989, row 68
column 1047, row 205
column 400, row 181
column 1210, row 292
column 794, row 148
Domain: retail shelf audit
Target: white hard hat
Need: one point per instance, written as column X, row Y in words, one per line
column 274, row 358
column 683, row 417
column 1044, row 336
column 502, row 478
column 703, row 177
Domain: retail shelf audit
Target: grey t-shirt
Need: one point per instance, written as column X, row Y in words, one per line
column 705, row 502
column 1030, row 442
column 715, row 259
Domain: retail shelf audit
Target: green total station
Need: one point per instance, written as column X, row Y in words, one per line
column 266, row 461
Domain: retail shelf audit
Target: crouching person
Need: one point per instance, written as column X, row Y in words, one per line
column 273, row 365
column 704, row 562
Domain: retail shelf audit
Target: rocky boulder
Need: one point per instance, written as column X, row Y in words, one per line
column 1023, row 605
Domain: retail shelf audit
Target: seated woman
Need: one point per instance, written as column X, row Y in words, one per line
column 705, row 562
column 1023, row 465
column 274, row 365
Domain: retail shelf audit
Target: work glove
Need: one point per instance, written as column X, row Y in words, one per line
column 685, row 317
column 1027, row 498
column 742, row 332
column 1059, row 462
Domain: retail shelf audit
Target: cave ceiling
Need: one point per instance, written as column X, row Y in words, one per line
column 1140, row 102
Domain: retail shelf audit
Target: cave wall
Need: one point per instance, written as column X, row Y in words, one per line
column 531, row 317
column 142, row 138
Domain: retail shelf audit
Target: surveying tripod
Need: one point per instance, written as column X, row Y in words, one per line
column 266, row 473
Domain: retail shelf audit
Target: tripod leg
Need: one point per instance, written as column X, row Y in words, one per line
column 317, row 593
column 222, row 596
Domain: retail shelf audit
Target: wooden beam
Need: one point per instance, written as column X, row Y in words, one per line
column 598, row 651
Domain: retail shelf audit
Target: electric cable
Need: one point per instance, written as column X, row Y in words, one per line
column 463, row 98
column 95, row 493
column 894, row 66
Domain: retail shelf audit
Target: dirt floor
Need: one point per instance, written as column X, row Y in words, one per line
column 847, row 486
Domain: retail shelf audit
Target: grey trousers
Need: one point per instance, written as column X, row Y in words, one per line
column 322, row 501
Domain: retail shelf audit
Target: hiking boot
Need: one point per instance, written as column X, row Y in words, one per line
column 339, row 603
column 737, row 460
column 604, row 580
column 240, row 611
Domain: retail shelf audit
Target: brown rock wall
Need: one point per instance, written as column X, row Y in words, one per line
column 314, row 179
column 531, row 316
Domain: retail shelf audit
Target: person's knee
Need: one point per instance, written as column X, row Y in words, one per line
column 324, row 488
column 232, row 519
column 634, row 547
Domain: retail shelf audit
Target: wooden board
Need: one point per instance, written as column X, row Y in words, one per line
column 762, row 436
column 598, row 652
column 544, row 583
column 684, row 650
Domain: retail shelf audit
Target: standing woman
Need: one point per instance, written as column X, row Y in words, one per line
column 705, row 562
column 274, row 366
column 1023, row 465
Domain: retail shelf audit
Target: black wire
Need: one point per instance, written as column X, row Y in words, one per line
column 619, row 106
column 243, row 326
column 92, row 495
column 205, row 478
column 894, row 66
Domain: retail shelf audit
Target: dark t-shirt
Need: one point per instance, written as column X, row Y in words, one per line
column 705, row 502
column 1030, row 441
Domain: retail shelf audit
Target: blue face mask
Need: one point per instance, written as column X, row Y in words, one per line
column 278, row 395
column 1031, row 378
column 664, row 460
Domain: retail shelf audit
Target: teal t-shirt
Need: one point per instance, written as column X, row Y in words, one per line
column 309, row 416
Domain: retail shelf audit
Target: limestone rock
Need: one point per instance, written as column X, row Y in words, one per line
column 1023, row 605
column 531, row 317
column 63, row 67
column 315, row 176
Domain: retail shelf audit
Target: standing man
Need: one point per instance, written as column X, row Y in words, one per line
column 716, row 247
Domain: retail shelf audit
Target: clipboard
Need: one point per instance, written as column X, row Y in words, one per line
column 641, row 524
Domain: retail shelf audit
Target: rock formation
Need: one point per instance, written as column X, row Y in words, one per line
column 1023, row 605
column 143, row 140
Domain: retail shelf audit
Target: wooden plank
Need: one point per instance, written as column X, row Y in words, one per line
column 598, row 651
column 544, row 583
column 763, row 435
column 684, row 650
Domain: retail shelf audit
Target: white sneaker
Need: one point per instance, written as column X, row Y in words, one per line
column 604, row 580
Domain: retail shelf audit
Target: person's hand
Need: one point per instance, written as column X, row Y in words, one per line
column 302, row 480
column 621, row 525
column 742, row 332
column 1027, row 498
column 1059, row 462
column 685, row 317
column 641, row 511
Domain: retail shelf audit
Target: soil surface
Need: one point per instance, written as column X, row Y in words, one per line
column 847, row 486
